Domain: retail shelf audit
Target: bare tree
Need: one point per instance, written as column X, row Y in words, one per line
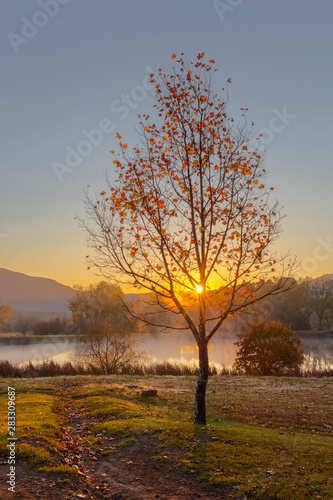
column 189, row 213
column 108, row 348
column 321, row 300
column 25, row 324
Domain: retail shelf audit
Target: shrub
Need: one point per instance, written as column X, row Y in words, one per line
column 268, row 348
column 7, row 370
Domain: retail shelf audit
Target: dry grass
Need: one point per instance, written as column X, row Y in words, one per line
column 266, row 437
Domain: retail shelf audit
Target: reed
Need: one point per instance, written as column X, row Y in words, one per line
column 53, row 369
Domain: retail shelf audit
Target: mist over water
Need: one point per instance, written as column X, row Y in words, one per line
column 58, row 350
column 178, row 347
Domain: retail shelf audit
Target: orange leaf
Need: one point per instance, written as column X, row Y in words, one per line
column 173, row 56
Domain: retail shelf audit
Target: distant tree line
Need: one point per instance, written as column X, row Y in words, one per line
column 307, row 306
column 61, row 325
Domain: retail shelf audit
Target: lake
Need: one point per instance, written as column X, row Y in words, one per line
column 176, row 347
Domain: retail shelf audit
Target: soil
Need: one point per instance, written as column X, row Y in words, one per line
column 129, row 472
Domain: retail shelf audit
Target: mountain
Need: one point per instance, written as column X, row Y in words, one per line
column 324, row 277
column 29, row 293
column 46, row 297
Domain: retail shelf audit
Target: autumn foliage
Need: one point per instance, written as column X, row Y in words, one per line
column 5, row 313
column 190, row 207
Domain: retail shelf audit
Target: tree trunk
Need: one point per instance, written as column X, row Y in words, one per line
column 320, row 318
column 200, row 394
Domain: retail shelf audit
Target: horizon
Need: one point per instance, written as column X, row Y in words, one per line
column 127, row 292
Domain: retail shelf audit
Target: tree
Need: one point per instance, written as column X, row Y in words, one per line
column 305, row 302
column 291, row 308
column 106, row 339
column 25, row 324
column 321, row 300
column 99, row 304
column 189, row 212
column 268, row 348
column 5, row 314
column 54, row 326
column 108, row 348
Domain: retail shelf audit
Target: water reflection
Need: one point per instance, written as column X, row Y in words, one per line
column 58, row 350
column 181, row 348
column 318, row 353
column 173, row 347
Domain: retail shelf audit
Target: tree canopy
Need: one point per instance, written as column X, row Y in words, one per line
column 268, row 348
column 99, row 304
column 190, row 211
column 5, row 314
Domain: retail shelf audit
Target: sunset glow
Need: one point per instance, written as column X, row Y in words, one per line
column 55, row 163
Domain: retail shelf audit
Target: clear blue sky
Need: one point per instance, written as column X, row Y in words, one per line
column 64, row 64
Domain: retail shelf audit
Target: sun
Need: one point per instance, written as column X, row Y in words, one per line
column 198, row 288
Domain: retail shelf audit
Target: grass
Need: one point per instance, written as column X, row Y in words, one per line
column 36, row 454
column 36, row 424
column 266, row 437
column 60, row 469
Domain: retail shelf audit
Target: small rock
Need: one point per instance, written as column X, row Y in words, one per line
column 150, row 393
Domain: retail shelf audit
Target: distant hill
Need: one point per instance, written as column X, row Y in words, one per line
column 44, row 297
column 29, row 293
column 322, row 278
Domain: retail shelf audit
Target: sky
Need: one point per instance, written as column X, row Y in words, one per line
column 74, row 73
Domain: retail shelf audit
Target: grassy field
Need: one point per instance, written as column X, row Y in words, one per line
column 266, row 437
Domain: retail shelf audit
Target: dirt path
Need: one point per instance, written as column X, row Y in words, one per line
column 128, row 473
